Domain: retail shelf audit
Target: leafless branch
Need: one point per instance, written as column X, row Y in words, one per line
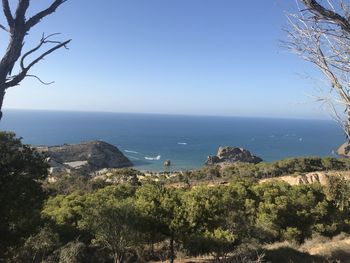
column 321, row 36
column 321, row 12
column 21, row 9
column 7, row 12
column 36, row 18
column 19, row 26
column 15, row 80
column 44, row 40
column 42, row 82
column 4, row 28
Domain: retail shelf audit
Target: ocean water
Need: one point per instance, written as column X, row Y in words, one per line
column 148, row 140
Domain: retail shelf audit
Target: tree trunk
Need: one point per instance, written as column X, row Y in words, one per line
column 172, row 252
column 347, row 128
column 118, row 258
column 2, row 95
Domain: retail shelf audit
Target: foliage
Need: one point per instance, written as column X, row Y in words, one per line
column 272, row 169
column 38, row 247
column 69, row 183
column 21, row 172
column 132, row 222
column 73, row 252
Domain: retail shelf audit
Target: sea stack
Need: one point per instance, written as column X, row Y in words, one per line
column 229, row 155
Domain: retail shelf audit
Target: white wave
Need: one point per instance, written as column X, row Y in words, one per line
column 134, row 158
column 300, row 139
column 128, row 151
column 182, row 143
column 157, row 158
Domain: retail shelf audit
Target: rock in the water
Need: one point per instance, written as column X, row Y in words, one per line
column 344, row 150
column 87, row 156
column 167, row 163
column 231, row 155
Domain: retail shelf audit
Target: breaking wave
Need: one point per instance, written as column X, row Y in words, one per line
column 182, row 143
column 157, row 158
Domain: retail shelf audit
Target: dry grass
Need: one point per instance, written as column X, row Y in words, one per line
column 316, row 250
column 335, row 248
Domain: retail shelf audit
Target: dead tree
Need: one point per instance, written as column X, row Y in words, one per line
column 320, row 33
column 18, row 27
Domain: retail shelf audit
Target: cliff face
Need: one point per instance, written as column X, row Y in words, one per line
column 229, row 155
column 87, row 156
column 309, row 178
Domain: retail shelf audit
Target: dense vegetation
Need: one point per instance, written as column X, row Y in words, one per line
column 83, row 220
column 21, row 194
column 291, row 166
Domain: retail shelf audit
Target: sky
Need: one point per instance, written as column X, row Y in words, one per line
column 193, row 57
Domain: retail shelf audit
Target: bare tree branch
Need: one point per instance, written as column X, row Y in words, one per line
column 21, row 11
column 44, row 40
column 19, row 27
column 7, row 13
column 322, row 37
column 42, row 82
column 15, row 80
column 63, row 44
column 4, row 28
column 51, row 9
column 314, row 7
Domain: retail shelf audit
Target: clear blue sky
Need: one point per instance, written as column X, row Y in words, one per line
column 205, row 57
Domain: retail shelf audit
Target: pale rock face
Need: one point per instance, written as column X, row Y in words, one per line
column 344, row 150
column 227, row 155
column 87, row 156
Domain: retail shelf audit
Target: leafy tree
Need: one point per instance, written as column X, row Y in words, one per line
column 21, row 197
column 70, row 183
column 241, row 207
column 161, row 207
column 338, row 192
column 206, row 214
column 217, row 242
column 38, row 247
column 73, row 252
column 65, row 212
column 288, row 212
column 114, row 224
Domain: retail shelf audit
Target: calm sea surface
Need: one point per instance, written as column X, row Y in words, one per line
column 148, row 140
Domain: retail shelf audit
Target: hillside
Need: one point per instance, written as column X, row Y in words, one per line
column 309, row 178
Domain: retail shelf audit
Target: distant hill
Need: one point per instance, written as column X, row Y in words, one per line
column 88, row 156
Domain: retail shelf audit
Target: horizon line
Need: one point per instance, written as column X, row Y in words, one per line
column 169, row 114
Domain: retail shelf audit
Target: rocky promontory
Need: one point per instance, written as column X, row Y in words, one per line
column 87, row 157
column 228, row 155
column 344, row 150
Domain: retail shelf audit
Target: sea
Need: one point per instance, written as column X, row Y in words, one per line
column 150, row 139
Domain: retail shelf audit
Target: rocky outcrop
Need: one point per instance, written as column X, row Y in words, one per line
column 344, row 150
column 227, row 155
column 87, row 157
column 167, row 163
